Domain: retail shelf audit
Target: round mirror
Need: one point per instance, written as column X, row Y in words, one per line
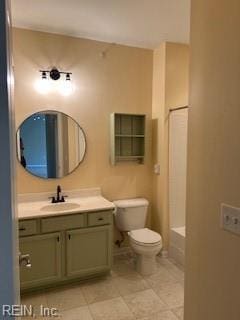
column 50, row 144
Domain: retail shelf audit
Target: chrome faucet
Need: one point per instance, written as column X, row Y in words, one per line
column 59, row 197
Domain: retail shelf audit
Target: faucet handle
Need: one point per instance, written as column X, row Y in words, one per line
column 52, row 198
column 63, row 198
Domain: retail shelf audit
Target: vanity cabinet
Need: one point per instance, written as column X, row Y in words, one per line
column 65, row 247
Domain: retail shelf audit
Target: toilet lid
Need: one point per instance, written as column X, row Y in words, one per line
column 131, row 203
column 145, row 236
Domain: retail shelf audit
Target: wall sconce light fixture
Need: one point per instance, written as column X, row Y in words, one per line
column 49, row 82
column 55, row 74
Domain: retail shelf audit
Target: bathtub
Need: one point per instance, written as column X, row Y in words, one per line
column 177, row 244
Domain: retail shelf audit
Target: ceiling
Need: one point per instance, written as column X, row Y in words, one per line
column 139, row 23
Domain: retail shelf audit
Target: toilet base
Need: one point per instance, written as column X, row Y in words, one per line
column 146, row 265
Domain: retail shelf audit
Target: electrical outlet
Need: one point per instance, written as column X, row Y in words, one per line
column 230, row 218
column 157, row 168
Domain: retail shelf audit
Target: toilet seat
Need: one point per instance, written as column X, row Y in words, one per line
column 145, row 237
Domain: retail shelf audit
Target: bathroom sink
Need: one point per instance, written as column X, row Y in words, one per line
column 61, row 206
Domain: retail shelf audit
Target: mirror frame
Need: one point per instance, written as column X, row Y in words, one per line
column 34, row 175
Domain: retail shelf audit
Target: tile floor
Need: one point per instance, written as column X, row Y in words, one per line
column 123, row 295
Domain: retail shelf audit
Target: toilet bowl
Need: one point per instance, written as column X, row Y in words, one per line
column 130, row 216
column 146, row 244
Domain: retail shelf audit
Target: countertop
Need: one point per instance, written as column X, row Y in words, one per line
column 94, row 201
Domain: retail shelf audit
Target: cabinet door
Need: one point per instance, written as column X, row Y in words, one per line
column 45, row 257
column 89, row 250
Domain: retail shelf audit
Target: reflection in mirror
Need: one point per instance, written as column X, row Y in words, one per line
column 50, row 144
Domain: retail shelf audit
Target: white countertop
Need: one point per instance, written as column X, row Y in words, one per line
column 30, row 205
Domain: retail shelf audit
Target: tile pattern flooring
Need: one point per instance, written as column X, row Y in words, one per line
column 123, row 295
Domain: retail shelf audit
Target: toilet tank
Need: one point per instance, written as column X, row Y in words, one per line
column 130, row 214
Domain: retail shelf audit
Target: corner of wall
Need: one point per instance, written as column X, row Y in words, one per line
column 170, row 89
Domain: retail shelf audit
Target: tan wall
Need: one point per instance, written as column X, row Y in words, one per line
column 120, row 82
column 213, row 259
column 170, row 89
column 177, row 75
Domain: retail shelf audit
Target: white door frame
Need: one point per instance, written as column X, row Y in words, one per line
column 9, row 270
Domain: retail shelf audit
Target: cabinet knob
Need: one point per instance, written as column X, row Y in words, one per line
column 100, row 219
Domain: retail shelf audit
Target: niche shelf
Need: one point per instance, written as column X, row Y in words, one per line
column 127, row 137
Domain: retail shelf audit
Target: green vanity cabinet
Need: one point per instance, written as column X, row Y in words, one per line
column 45, row 253
column 88, row 250
column 65, row 247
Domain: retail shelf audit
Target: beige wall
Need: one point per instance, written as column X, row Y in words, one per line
column 120, row 82
column 170, row 89
column 177, row 75
column 213, row 259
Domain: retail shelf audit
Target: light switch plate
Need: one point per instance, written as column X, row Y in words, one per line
column 230, row 218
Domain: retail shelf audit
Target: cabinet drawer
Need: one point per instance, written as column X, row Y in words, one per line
column 62, row 223
column 99, row 218
column 27, row 227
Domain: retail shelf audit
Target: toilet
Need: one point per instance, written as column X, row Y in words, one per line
column 130, row 216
